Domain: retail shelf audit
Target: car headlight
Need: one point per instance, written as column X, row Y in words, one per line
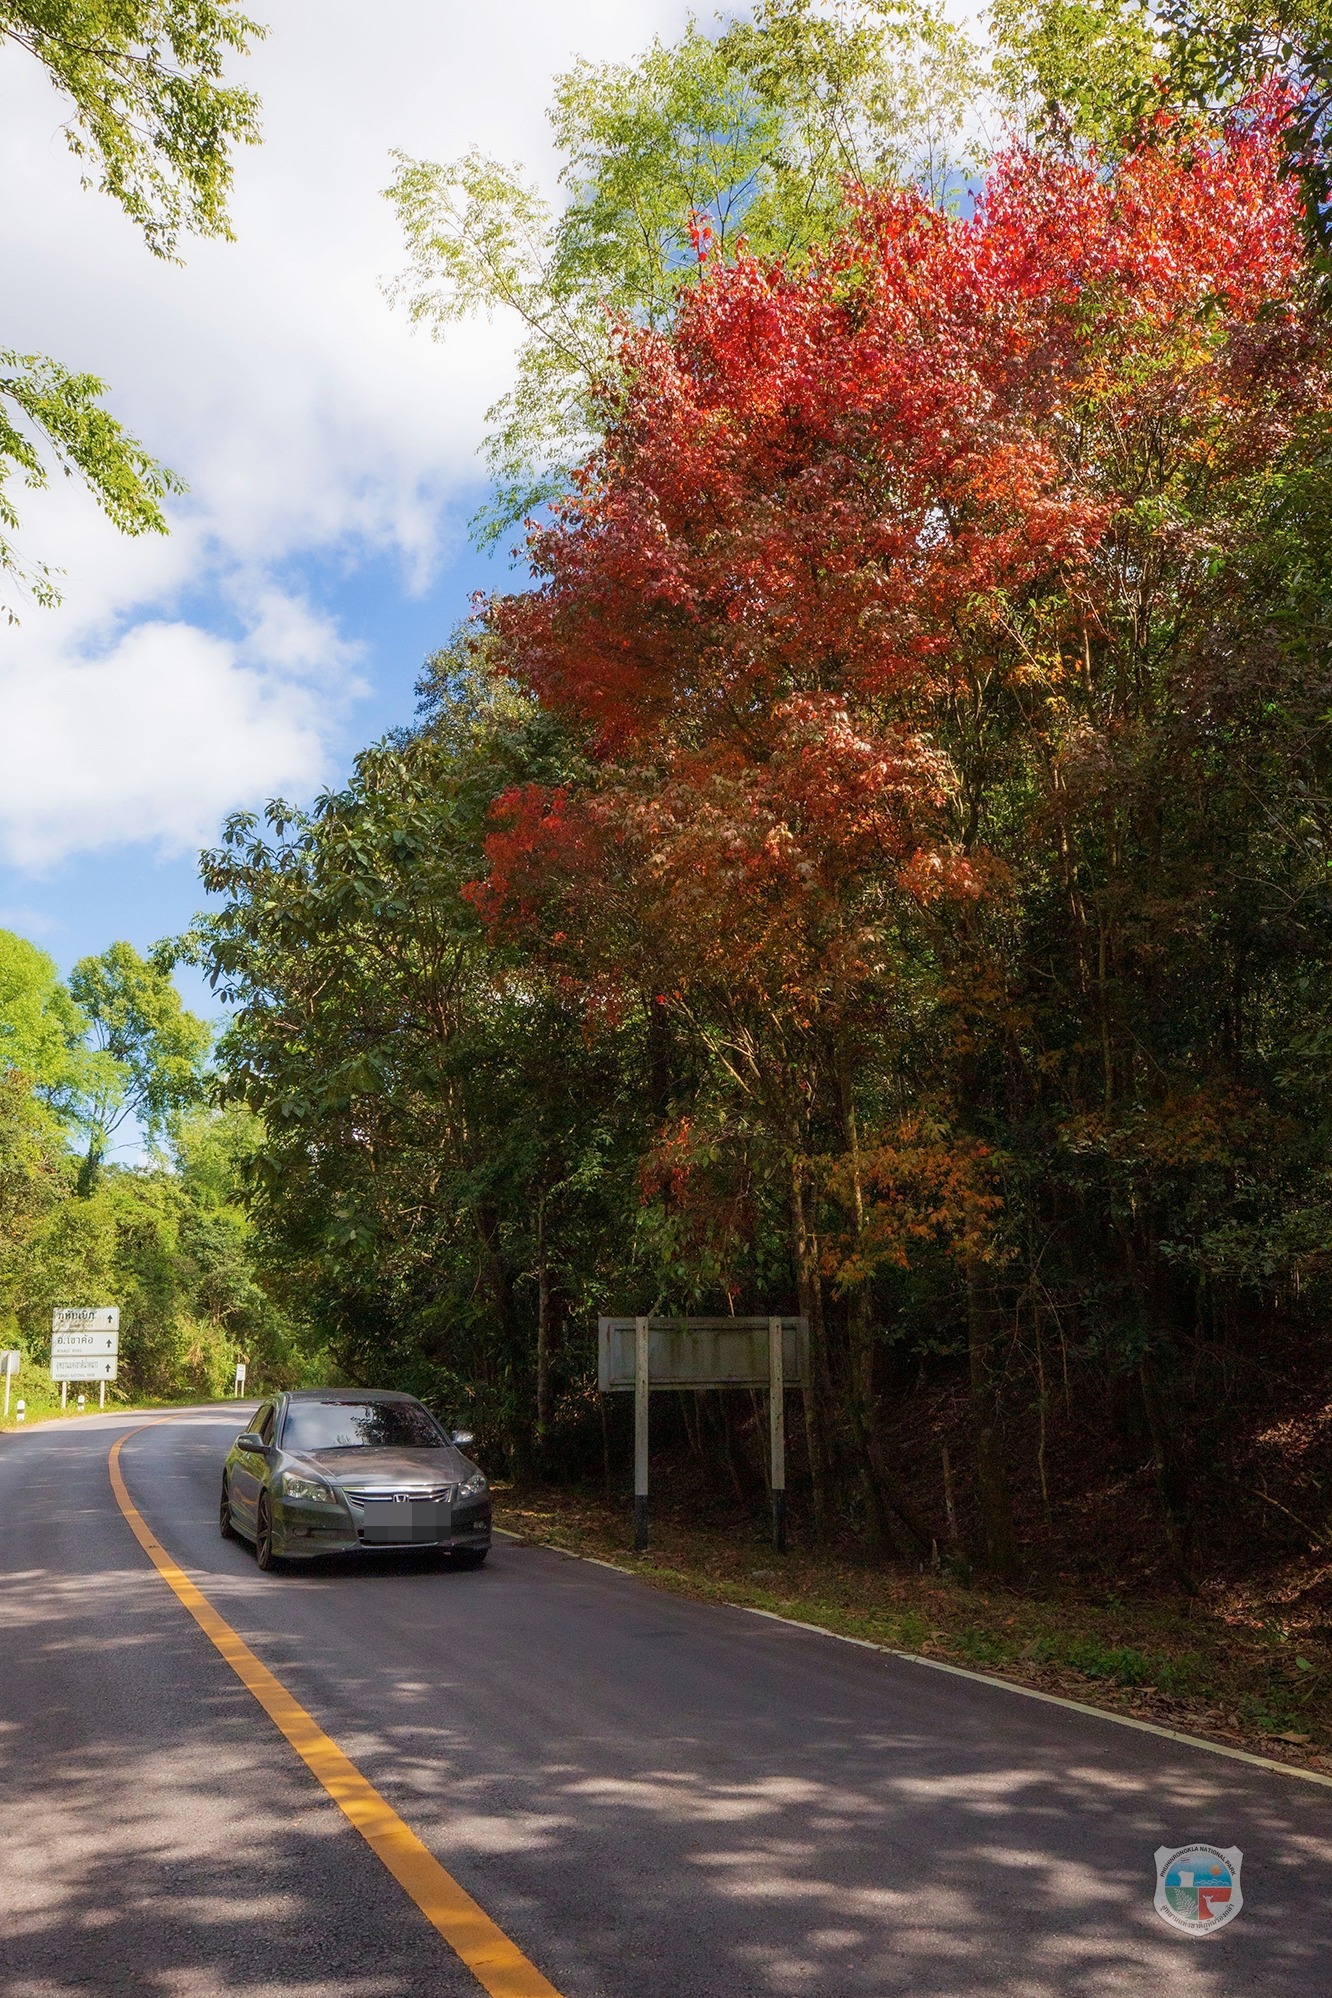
column 293, row 1486
column 473, row 1487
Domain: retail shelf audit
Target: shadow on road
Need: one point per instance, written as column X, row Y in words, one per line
column 653, row 1797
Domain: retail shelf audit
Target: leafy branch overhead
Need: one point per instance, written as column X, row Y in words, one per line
column 156, row 124
column 752, row 134
column 152, row 115
column 41, row 399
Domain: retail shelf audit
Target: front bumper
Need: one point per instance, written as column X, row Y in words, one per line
column 303, row 1530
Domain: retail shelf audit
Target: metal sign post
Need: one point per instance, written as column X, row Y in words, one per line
column 640, row 1434
column 85, row 1346
column 777, row 1433
column 646, row 1353
column 240, row 1379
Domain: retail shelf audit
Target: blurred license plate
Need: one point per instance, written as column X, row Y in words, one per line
column 422, row 1522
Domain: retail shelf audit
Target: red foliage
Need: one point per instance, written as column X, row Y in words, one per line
column 825, row 474
column 811, row 519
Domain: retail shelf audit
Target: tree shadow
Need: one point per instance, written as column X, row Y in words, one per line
column 659, row 1797
column 655, row 1798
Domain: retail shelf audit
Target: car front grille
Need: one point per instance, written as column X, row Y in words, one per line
column 405, row 1519
column 436, row 1493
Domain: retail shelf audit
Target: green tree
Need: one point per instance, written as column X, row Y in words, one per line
column 755, row 134
column 449, row 1156
column 32, row 1179
column 42, row 1030
column 1084, row 69
column 155, row 124
column 152, row 1049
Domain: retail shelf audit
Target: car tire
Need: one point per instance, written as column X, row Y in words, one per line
column 468, row 1557
column 226, row 1525
column 263, row 1536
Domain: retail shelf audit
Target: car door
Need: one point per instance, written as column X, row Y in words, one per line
column 246, row 1475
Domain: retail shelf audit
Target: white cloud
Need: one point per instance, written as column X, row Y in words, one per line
column 159, row 734
column 270, row 372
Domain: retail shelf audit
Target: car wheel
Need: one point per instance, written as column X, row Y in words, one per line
column 225, row 1523
column 469, row 1557
column 263, row 1536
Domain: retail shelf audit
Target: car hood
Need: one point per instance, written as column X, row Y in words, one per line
column 367, row 1470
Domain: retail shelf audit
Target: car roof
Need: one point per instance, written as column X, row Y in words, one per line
column 348, row 1394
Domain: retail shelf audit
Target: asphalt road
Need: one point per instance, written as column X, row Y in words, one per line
column 654, row 1798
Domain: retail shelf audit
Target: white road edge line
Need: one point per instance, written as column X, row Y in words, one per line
column 963, row 1672
column 1053, row 1699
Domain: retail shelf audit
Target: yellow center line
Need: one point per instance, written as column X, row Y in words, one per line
column 498, row 1965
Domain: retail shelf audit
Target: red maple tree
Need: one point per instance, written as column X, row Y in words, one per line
column 825, row 502
column 852, row 519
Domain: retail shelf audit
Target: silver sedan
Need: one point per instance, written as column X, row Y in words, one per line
column 336, row 1470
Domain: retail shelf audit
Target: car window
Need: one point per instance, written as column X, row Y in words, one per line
column 361, row 1425
column 263, row 1423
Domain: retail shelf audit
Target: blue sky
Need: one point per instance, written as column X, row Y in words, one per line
column 142, row 890
column 331, row 455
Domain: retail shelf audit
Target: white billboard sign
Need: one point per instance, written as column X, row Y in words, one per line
column 64, row 1345
column 86, row 1318
column 83, row 1367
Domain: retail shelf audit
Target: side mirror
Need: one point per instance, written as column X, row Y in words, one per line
column 249, row 1441
column 462, row 1437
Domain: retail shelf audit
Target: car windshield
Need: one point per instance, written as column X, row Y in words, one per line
column 360, row 1425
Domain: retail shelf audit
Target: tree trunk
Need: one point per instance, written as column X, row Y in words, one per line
column 1171, row 1484
column 810, row 1293
column 996, row 1508
column 895, row 1525
column 893, row 1522
column 543, row 1330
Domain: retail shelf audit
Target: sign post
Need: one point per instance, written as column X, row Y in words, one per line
column 240, row 1379
column 777, row 1433
column 9, row 1366
column 641, row 1385
column 643, row 1353
column 85, row 1346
